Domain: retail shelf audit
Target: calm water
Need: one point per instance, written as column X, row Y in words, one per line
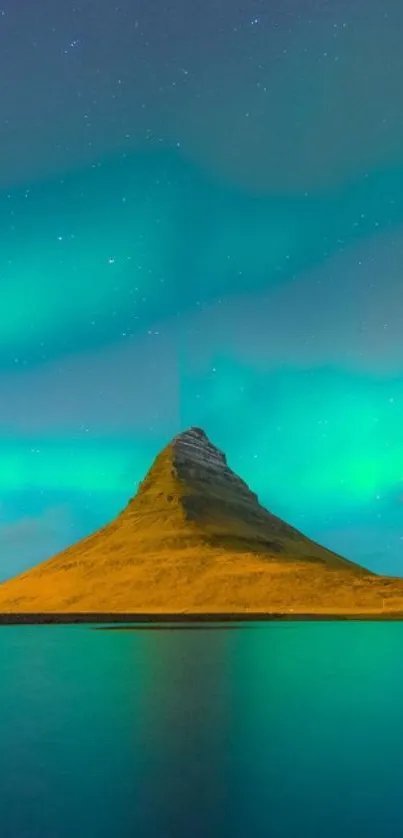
column 274, row 730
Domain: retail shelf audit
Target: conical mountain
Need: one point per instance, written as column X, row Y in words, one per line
column 196, row 539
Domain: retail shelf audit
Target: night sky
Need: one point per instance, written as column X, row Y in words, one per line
column 201, row 222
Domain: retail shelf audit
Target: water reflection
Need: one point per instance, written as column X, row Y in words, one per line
column 281, row 730
column 150, row 627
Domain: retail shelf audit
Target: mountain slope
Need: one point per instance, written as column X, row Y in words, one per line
column 195, row 538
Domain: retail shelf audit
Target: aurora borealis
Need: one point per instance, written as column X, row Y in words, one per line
column 201, row 222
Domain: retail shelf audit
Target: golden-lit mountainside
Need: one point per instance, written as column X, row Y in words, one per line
column 195, row 539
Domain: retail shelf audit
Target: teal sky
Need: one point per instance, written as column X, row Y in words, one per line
column 205, row 230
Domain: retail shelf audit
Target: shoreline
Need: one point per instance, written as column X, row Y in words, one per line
column 153, row 618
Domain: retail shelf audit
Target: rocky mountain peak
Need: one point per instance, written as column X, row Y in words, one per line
column 195, row 538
